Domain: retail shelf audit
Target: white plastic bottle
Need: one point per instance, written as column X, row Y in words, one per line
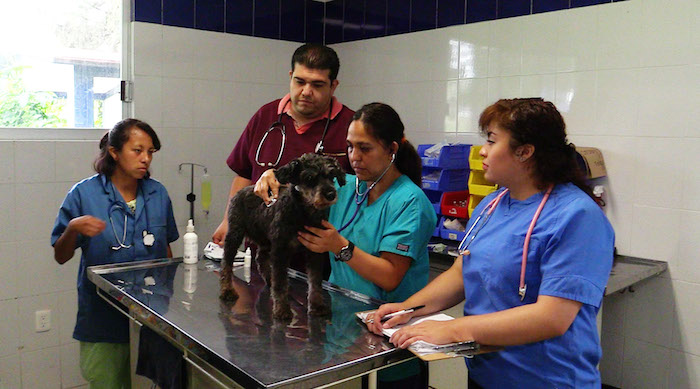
column 247, row 259
column 191, row 249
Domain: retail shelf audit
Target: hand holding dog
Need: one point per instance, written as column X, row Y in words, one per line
column 321, row 240
column 267, row 183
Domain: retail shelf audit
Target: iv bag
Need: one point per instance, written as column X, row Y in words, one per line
column 206, row 192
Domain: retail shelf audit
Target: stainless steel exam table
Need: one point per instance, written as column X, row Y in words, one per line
column 238, row 344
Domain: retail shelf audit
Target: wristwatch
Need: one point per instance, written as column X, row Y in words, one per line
column 345, row 253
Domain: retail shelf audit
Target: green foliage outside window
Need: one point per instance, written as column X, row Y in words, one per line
column 20, row 107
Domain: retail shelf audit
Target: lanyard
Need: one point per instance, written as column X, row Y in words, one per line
column 469, row 237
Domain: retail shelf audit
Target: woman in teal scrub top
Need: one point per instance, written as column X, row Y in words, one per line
column 534, row 263
column 385, row 221
column 118, row 215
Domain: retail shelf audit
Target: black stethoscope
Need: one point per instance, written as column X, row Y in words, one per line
column 278, row 125
column 148, row 238
column 360, row 197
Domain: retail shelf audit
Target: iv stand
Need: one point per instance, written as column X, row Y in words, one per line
column 191, row 197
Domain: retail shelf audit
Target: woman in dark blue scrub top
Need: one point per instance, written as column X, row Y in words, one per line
column 118, row 215
column 534, row 263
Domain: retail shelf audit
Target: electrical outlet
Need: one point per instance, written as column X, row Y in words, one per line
column 42, row 320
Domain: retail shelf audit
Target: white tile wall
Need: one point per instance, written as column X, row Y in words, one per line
column 624, row 75
column 575, row 48
column 66, row 310
column 148, row 91
column 666, row 32
column 618, row 43
column 7, row 212
column 539, row 53
column 649, row 312
column 9, row 331
column 10, row 376
column 613, row 344
column 472, row 93
column 575, row 99
column 7, row 162
column 34, row 161
column 41, row 369
column 686, row 336
column 645, row 365
column 75, row 159
column 506, row 47
column 148, row 49
column 8, row 265
column 70, row 366
column 29, row 338
column 685, row 370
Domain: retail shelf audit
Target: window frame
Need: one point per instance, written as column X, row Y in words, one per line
column 83, row 133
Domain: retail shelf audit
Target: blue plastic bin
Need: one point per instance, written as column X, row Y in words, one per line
column 451, row 234
column 451, row 156
column 445, row 180
column 435, row 198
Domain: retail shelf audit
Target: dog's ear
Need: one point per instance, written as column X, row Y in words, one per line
column 338, row 172
column 289, row 172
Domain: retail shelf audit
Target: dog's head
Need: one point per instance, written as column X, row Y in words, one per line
column 312, row 175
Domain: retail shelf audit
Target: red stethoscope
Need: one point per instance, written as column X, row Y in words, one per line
column 469, row 237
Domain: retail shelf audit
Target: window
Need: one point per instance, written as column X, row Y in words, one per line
column 60, row 63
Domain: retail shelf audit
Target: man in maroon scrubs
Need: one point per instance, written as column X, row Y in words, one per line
column 308, row 119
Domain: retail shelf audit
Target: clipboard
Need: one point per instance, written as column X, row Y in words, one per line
column 432, row 352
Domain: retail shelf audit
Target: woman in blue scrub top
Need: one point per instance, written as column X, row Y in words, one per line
column 118, row 215
column 382, row 249
column 547, row 321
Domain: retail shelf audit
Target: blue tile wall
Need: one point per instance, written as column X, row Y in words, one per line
column 375, row 19
column 450, row 12
column 481, row 10
column 423, row 15
column 266, row 21
column 334, row 22
column 209, row 15
column 398, row 17
column 315, row 12
column 179, row 13
column 292, row 23
column 239, row 17
column 353, row 20
column 511, row 8
column 539, row 6
column 337, row 20
column 149, row 11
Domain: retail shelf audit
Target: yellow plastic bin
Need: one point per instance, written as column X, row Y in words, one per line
column 475, row 160
column 478, row 185
column 473, row 202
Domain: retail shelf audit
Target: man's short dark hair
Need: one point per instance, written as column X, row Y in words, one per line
column 316, row 56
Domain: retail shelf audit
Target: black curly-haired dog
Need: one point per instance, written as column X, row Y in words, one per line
column 304, row 201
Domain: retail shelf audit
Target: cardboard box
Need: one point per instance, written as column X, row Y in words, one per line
column 592, row 159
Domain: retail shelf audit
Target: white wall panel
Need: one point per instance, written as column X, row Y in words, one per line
column 7, row 162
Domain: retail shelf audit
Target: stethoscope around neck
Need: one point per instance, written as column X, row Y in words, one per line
column 278, row 125
column 148, row 237
column 360, row 197
column 469, row 237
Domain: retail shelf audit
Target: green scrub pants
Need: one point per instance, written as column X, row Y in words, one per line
column 105, row 365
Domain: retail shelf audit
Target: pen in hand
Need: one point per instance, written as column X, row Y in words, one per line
column 401, row 312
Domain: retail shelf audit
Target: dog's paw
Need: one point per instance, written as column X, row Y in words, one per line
column 228, row 295
column 282, row 313
column 319, row 310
